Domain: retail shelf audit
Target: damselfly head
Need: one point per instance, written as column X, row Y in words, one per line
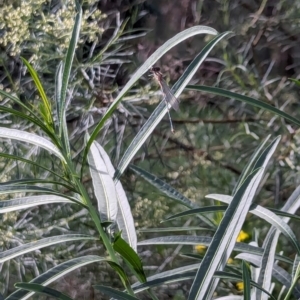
column 158, row 76
column 155, row 69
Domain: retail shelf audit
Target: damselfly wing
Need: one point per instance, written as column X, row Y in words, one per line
column 169, row 98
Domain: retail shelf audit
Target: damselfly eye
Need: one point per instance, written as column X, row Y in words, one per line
column 155, row 69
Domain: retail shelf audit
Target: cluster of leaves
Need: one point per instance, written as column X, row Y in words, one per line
column 40, row 32
column 209, row 149
column 63, row 184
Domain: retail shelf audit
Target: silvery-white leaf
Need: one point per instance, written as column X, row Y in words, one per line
column 104, row 187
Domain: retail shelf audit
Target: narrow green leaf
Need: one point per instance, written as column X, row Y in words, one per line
column 283, row 214
column 104, row 187
column 63, row 130
column 46, row 110
column 130, row 256
column 267, row 215
column 246, row 99
column 124, row 216
column 58, row 88
column 19, row 102
column 122, row 275
column 292, row 204
column 279, row 224
column 267, row 262
column 114, row 293
column 249, row 166
column 34, row 120
column 56, row 273
column 37, row 288
column 266, row 154
column 31, row 138
column 279, row 273
column 294, row 288
column 202, row 210
column 224, row 239
column 163, row 187
column 29, row 247
column 31, row 162
column 69, row 59
column 42, row 182
column 295, row 81
column 30, row 201
column 12, row 188
column 161, row 275
column 246, row 281
column 171, row 229
column 173, row 276
column 205, row 240
column 169, row 191
column 296, row 265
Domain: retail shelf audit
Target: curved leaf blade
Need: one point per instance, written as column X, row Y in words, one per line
column 114, row 293
column 170, row 229
column 279, row 273
column 202, row 210
column 11, row 188
column 39, row 289
column 125, row 219
column 144, row 68
column 34, row 120
column 31, row 138
column 130, row 256
column 177, row 275
column 246, row 281
column 27, row 202
column 163, row 187
column 23, row 249
column 246, row 99
column 249, row 166
column 206, row 241
column 162, row 109
column 31, row 162
column 104, row 187
column 63, row 85
column 267, row 262
column 224, row 238
column 267, row 215
column 18, row 101
column 169, row 191
column 46, row 110
column 124, row 216
column 56, row 273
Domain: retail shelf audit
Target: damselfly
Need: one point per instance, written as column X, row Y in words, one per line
column 169, row 98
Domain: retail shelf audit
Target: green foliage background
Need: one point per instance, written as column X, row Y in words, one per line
column 214, row 137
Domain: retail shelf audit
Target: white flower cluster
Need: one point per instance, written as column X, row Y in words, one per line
column 30, row 26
